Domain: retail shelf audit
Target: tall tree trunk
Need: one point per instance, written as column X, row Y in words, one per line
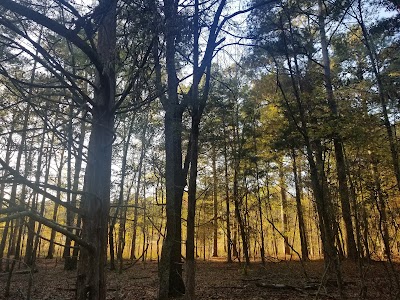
column 19, row 157
column 122, row 231
column 193, row 158
column 215, row 202
column 260, row 216
column 138, row 186
column 382, row 97
column 50, row 252
column 145, row 244
column 72, row 261
column 268, row 209
column 170, row 267
column 7, row 161
column 337, row 140
column 282, row 187
column 36, row 244
column 9, row 226
column 258, row 192
column 237, row 156
column 239, row 216
column 299, row 207
column 19, row 226
column 227, row 203
column 190, row 250
column 31, row 223
column 381, row 207
column 2, row 191
column 317, row 175
column 91, row 279
column 119, row 209
column 70, row 215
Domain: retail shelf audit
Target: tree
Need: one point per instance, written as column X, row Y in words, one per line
column 170, row 272
column 286, row 53
column 101, row 52
column 337, row 140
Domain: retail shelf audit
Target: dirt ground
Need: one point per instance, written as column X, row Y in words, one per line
column 283, row 280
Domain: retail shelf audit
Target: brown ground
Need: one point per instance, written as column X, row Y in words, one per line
column 283, row 280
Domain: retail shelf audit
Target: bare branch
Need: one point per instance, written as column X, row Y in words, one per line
column 36, row 188
column 51, row 225
column 53, row 25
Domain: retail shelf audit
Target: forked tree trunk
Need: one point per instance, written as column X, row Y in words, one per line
column 170, row 267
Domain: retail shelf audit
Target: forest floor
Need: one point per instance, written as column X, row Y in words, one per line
column 282, row 280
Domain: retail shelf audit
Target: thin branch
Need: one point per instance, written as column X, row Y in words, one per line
column 56, row 27
column 36, row 188
column 51, row 225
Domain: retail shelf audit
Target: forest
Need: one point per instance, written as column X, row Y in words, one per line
column 199, row 149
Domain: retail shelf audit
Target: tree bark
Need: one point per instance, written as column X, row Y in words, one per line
column 170, row 267
column 190, row 247
column 91, row 280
